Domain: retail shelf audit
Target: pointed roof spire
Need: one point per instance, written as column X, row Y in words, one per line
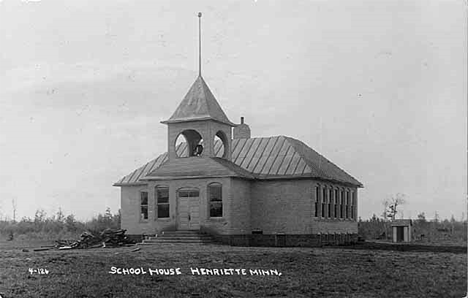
column 199, row 104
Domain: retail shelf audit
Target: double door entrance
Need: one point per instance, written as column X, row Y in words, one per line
column 188, row 213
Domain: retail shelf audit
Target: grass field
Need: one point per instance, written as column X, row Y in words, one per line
column 305, row 272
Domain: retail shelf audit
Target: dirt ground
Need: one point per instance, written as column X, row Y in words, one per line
column 373, row 271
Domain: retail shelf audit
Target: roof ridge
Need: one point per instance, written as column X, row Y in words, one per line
column 207, row 92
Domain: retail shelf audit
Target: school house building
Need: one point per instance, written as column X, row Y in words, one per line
column 241, row 190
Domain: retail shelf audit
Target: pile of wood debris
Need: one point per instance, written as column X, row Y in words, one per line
column 107, row 238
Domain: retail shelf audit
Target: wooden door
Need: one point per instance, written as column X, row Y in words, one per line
column 400, row 234
column 194, row 213
column 183, row 214
column 188, row 214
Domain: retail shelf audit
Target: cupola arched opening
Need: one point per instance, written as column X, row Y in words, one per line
column 189, row 143
column 220, row 144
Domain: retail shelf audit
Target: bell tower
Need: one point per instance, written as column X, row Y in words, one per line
column 200, row 120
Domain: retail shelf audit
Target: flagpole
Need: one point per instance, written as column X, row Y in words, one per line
column 199, row 43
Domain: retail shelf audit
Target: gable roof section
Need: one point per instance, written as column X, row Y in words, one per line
column 199, row 104
column 260, row 158
column 197, row 167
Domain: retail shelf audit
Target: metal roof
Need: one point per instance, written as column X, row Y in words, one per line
column 199, row 104
column 277, row 157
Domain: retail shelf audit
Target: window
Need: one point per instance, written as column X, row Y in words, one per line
column 144, row 205
column 347, row 204
column 337, row 194
column 324, row 201
column 189, row 193
column 215, row 193
column 317, row 193
column 342, row 204
column 353, row 205
column 162, row 202
column 330, row 195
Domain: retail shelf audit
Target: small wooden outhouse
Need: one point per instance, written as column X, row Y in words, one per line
column 401, row 230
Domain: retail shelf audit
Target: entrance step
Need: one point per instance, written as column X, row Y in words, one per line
column 180, row 237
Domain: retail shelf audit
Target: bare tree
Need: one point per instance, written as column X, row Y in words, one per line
column 385, row 204
column 391, row 205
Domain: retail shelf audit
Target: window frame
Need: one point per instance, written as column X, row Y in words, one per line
column 347, row 204
column 342, row 204
column 158, row 204
column 324, row 202
column 189, row 191
column 211, row 201
column 317, row 194
column 141, row 206
column 337, row 197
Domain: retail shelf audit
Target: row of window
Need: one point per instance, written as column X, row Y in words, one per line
column 215, row 196
column 335, row 203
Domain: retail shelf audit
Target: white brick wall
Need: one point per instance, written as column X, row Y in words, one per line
column 240, row 207
column 281, row 206
column 278, row 206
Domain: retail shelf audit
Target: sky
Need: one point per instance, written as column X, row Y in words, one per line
column 378, row 87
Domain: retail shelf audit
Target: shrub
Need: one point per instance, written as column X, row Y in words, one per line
column 59, row 226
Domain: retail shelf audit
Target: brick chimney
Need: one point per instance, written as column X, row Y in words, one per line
column 241, row 131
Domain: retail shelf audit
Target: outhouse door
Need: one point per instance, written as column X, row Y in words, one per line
column 400, row 234
column 188, row 213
